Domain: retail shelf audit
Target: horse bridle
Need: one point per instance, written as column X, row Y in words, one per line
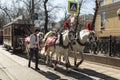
column 91, row 35
column 69, row 43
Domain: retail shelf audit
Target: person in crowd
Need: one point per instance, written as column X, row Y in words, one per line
column 34, row 45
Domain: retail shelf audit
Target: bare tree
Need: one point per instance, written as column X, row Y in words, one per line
column 77, row 22
column 46, row 10
column 50, row 12
column 6, row 11
column 46, row 16
column 2, row 19
column 97, row 4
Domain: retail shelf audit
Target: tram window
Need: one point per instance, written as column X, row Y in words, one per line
column 16, row 31
column 21, row 31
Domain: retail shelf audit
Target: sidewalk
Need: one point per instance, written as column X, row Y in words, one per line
column 16, row 68
column 3, row 75
column 13, row 67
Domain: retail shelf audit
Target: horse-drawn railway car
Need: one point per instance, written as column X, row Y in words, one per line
column 14, row 34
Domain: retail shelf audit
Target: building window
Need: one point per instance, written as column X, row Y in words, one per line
column 102, row 19
column 115, row 0
column 103, row 2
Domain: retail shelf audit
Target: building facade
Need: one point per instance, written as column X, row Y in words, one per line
column 107, row 28
column 107, row 21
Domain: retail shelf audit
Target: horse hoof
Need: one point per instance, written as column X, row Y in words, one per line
column 51, row 65
column 55, row 69
column 79, row 63
column 74, row 67
column 68, row 71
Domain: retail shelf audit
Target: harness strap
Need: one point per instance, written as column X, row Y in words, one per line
column 61, row 42
column 71, row 46
column 80, row 43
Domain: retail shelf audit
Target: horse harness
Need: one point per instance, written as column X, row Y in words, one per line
column 61, row 43
column 78, row 40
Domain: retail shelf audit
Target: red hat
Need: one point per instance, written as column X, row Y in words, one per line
column 66, row 25
column 88, row 26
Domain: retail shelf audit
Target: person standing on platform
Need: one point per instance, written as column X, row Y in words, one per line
column 34, row 45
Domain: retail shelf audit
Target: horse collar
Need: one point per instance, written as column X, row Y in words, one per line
column 79, row 42
column 61, row 42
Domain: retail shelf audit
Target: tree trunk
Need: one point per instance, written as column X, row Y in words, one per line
column 77, row 22
column 46, row 17
column 95, row 15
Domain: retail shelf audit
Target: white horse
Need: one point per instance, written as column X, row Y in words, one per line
column 48, row 34
column 82, row 38
column 59, row 47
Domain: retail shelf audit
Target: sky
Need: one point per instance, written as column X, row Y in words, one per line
column 87, row 7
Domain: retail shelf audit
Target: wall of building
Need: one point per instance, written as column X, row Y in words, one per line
column 112, row 21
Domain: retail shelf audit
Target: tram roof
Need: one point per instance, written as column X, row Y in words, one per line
column 18, row 22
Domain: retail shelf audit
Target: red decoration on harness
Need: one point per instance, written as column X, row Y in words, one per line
column 88, row 26
column 27, row 40
column 66, row 25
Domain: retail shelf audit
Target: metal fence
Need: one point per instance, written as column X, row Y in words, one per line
column 107, row 46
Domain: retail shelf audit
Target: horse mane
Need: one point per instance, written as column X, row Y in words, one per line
column 65, row 31
column 47, row 35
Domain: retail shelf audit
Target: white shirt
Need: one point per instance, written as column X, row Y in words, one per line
column 33, row 42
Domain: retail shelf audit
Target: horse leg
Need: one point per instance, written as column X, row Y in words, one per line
column 80, row 62
column 27, row 49
column 75, row 59
column 67, row 60
column 47, row 57
column 56, row 61
column 60, row 55
column 51, row 58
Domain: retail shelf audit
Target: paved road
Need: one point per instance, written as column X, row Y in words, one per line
column 14, row 67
